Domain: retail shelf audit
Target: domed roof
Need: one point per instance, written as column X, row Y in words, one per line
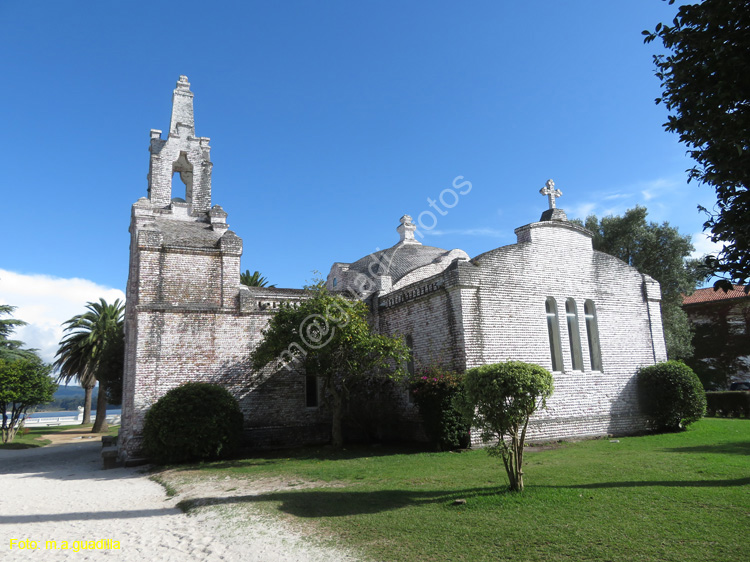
column 398, row 260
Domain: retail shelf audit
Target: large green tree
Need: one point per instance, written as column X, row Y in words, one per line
column 705, row 78
column 329, row 337
column 11, row 349
column 93, row 350
column 660, row 251
column 24, row 383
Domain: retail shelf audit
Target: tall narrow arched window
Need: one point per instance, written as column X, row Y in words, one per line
column 553, row 328
column 571, row 313
column 311, row 391
column 592, row 332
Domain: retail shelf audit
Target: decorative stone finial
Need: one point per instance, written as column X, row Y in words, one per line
column 550, row 191
column 182, row 110
column 406, row 231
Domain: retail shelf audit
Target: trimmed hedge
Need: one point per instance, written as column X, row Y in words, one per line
column 671, row 395
column 728, row 404
column 194, row 421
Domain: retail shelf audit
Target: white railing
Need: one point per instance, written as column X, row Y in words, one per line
column 33, row 421
column 41, row 422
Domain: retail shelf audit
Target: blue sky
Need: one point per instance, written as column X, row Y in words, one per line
column 328, row 121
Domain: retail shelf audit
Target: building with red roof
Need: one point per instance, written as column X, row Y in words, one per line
column 721, row 324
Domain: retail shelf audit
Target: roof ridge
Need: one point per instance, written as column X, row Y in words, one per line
column 709, row 294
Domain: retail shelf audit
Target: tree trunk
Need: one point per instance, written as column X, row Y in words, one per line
column 100, row 423
column 10, row 427
column 518, row 462
column 510, row 467
column 87, row 404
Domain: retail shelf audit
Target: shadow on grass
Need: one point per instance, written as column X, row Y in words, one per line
column 324, row 453
column 340, row 503
column 660, row 483
column 736, row 448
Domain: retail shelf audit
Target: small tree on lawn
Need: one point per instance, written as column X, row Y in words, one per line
column 23, row 383
column 498, row 399
column 329, row 337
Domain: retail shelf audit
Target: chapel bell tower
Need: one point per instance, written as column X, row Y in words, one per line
column 182, row 153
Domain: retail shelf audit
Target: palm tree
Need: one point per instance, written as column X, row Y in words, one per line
column 93, row 351
column 254, row 280
column 73, row 364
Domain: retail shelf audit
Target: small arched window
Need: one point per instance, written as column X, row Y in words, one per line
column 571, row 313
column 553, row 329
column 592, row 332
column 311, row 391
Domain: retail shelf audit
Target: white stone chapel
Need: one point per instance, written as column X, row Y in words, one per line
column 549, row 299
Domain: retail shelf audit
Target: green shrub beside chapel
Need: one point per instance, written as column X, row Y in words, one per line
column 671, row 395
column 192, row 422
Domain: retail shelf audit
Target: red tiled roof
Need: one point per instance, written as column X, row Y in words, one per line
column 709, row 295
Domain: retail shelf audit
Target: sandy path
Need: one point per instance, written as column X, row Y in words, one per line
column 60, row 493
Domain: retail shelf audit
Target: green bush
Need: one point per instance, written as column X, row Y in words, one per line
column 433, row 390
column 728, row 404
column 671, row 395
column 195, row 421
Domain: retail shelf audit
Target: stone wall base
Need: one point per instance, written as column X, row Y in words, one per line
column 557, row 429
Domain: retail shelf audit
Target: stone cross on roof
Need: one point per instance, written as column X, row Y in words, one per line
column 551, row 193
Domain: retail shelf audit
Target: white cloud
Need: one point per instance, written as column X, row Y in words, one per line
column 580, row 211
column 616, row 196
column 656, row 188
column 45, row 302
column 625, row 197
column 704, row 246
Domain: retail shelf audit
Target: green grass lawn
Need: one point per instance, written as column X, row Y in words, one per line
column 675, row 497
column 32, row 437
column 28, row 438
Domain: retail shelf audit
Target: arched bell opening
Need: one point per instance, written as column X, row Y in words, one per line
column 184, row 168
